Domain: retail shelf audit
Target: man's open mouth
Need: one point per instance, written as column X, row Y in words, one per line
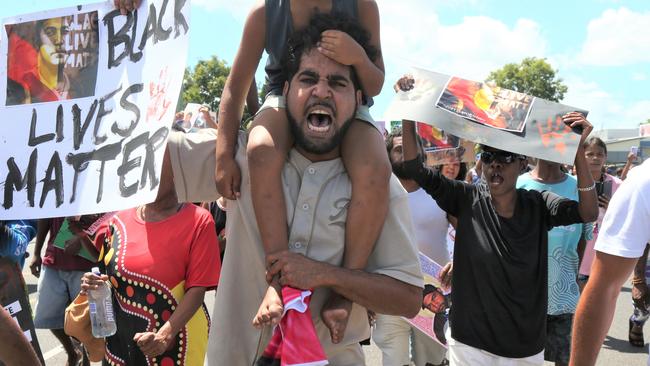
column 319, row 120
column 496, row 178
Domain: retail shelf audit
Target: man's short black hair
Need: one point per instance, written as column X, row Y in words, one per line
column 307, row 39
column 397, row 132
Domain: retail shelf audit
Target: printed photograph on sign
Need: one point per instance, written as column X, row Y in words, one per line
column 444, row 148
column 436, row 139
column 433, row 317
column 394, row 125
column 486, row 104
column 52, row 59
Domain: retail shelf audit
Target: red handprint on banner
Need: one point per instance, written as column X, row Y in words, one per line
column 159, row 103
column 555, row 133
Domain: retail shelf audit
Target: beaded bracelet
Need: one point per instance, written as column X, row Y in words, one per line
column 587, row 189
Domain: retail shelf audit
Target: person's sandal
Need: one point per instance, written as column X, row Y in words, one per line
column 635, row 334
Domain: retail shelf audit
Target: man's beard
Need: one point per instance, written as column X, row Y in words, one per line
column 312, row 147
column 398, row 170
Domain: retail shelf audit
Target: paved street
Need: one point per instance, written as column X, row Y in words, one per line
column 616, row 350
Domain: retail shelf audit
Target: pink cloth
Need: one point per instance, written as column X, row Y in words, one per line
column 294, row 341
column 590, row 253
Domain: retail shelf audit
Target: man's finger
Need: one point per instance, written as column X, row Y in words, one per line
column 236, row 181
column 143, row 339
column 137, row 336
column 276, row 269
column 275, row 257
column 275, row 314
column 226, row 191
column 326, row 52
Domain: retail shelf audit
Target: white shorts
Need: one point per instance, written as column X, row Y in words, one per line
column 461, row 354
column 395, row 337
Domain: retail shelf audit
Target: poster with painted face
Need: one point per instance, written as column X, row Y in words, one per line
column 90, row 95
column 52, row 59
column 433, row 319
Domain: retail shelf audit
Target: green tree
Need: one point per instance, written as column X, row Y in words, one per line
column 204, row 83
column 533, row 76
column 647, row 122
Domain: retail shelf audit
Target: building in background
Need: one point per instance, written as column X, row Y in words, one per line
column 620, row 140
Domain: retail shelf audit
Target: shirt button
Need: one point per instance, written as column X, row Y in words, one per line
column 311, row 170
column 298, row 245
column 305, row 206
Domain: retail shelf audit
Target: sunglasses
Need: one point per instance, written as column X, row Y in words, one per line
column 502, row 157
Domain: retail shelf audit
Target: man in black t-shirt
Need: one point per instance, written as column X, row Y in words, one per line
column 500, row 257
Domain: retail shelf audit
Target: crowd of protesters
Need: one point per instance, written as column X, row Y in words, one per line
column 323, row 240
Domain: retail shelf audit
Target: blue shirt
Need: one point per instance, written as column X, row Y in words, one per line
column 14, row 238
column 563, row 292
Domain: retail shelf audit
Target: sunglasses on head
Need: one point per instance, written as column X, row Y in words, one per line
column 502, row 157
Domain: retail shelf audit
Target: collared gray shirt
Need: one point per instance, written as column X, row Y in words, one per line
column 316, row 195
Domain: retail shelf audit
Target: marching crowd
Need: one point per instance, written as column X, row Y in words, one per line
column 309, row 223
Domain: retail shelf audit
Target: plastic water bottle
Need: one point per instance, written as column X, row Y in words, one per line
column 100, row 304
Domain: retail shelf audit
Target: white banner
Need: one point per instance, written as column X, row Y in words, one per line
column 87, row 99
column 488, row 115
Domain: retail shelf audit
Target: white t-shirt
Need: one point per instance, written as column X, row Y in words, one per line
column 625, row 229
column 431, row 225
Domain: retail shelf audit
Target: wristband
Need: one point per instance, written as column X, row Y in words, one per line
column 587, row 189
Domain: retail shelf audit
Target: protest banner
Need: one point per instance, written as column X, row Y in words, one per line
column 89, row 97
column 432, row 320
column 13, row 298
column 488, row 117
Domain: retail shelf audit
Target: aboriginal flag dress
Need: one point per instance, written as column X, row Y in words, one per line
column 150, row 267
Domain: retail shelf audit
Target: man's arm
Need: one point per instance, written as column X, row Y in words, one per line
column 369, row 290
column 42, row 228
column 628, row 165
column 587, row 197
column 447, row 193
column 14, row 348
column 252, row 99
column 233, row 97
column 596, row 307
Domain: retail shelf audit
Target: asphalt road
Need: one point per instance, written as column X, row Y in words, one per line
column 615, row 351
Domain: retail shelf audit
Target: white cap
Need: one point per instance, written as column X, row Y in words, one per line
column 95, row 270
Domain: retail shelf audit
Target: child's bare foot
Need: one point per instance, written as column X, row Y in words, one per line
column 335, row 314
column 271, row 308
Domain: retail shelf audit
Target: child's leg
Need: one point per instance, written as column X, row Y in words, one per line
column 269, row 142
column 369, row 170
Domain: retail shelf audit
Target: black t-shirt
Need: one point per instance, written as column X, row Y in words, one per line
column 499, row 292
